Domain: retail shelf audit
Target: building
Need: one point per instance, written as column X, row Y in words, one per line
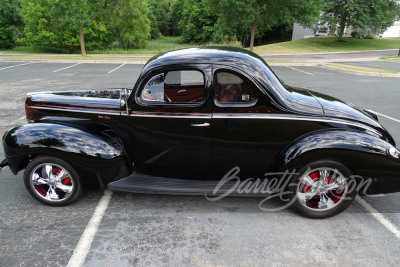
column 300, row 32
column 393, row 31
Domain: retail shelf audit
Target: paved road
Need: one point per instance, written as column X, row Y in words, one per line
column 172, row 230
column 377, row 65
column 335, row 57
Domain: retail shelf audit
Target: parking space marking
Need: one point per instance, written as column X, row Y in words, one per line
column 116, row 68
column 379, row 216
column 380, row 114
column 78, row 257
column 66, row 67
column 17, row 120
column 9, row 67
column 309, row 73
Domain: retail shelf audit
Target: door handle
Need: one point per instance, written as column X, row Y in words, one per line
column 204, row 124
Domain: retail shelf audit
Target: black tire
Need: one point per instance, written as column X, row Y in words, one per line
column 325, row 203
column 60, row 189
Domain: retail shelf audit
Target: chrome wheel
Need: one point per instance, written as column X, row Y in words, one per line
column 321, row 189
column 51, row 182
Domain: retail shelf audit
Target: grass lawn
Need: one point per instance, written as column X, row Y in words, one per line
column 327, row 44
column 391, row 59
column 154, row 47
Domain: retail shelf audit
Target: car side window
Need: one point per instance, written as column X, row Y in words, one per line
column 230, row 88
column 181, row 87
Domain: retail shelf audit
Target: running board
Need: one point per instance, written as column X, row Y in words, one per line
column 142, row 183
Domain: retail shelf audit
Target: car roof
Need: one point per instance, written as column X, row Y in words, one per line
column 241, row 59
column 232, row 56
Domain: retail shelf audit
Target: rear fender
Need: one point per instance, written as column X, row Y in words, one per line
column 97, row 156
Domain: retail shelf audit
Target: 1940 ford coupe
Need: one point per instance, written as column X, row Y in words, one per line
column 196, row 122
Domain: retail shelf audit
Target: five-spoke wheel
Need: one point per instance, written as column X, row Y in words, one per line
column 52, row 181
column 322, row 189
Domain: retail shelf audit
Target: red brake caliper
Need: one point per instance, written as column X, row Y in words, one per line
column 65, row 180
column 41, row 189
column 315, row 177
column 335, row 194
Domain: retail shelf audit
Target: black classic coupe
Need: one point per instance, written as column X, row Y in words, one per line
column 204, row 121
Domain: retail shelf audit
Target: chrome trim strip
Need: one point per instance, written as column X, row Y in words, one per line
column 78, row 110
column 200, row 124
column 250, row 116
column 172, row 115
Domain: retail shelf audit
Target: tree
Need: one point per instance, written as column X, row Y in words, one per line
column 39, row 28
column 130, row 23
column 264, row 13
column 46, row 25
column 11, row 25
column 154, row 30
column 78, row 14
column 196, row 24
column 85, row 24
column 175, row 14
column 376, row 15
column 161, row 11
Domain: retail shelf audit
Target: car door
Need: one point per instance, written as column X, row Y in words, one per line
column 250, row 129
column 240, row 137
column 170, row 123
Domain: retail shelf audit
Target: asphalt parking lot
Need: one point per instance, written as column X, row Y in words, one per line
column 156, row 230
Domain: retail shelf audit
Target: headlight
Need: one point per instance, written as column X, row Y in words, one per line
column 394, row 152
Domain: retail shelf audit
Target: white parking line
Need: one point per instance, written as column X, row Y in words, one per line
column 380, row 114
column 300, row 70
column 116, row 68
column 9, row 67
column 17, row 120
column 78, row 257
column 66, row 67
column 379, row 216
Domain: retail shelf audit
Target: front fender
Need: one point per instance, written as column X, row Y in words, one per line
column 366, row 155
column 95, row 155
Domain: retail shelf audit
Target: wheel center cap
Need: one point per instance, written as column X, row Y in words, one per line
column 52, row 181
